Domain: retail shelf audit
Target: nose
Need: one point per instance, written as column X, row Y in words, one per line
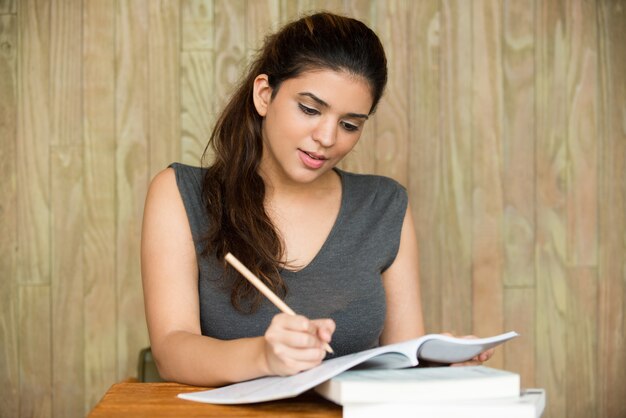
column 326, row 132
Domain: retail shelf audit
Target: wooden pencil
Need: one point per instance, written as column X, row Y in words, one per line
column 256, row 282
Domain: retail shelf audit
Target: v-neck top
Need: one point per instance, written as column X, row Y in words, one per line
column 342, row 282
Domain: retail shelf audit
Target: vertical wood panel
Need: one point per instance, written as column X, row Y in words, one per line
column 230, row 35
column 581, row 342
column 454, row 220
column 582, row 132
column 519, row 354
column 262, row 18
column 9, row 377
column 518, row 156
column 551, row 165
column 33, row 138
column 197, row 78
column 582, row 203
column 487, row 106
column 65, row 72
column 66, row 208
column 518, row 142
column 132, row 165
column 425, row 150
column 392, row 122
column 164, row 85
column 197, row 104
column 99, row 300
column 8, row 6
column 612, row 199
column 68, row 372
column 197, row 24
column 36, row 359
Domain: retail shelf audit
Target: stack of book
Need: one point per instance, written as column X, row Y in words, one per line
column 436, row 392
column 385, row 382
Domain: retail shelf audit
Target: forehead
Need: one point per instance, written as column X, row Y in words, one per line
column 341, row 90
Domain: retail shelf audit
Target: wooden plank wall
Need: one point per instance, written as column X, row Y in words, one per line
column 505, row 119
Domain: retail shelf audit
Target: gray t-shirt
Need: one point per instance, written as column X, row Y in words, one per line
column 342, row 282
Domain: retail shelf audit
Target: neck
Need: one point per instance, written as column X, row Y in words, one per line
column 277, row 187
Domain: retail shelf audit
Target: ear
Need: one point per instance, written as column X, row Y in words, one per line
column 261, row 93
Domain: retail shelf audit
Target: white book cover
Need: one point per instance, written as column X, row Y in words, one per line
column 433, row 347
column 530, row 404
column 420, row 384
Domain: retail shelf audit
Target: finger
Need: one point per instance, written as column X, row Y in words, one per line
column 297, row 323
column 324, row 329
column 466, row 363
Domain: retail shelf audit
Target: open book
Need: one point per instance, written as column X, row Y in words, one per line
column 432, row 347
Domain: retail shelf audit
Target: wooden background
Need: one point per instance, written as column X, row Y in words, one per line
column 506, row 121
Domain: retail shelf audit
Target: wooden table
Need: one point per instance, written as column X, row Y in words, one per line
column 132, row 399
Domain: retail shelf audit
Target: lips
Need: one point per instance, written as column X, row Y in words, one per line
column 314, row 155
column 311, row 159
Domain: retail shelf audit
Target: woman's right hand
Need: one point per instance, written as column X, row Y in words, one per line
column 294, row 343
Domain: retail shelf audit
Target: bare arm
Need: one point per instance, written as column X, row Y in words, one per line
column 402, row 286
column 170, row 283
column 404, row 318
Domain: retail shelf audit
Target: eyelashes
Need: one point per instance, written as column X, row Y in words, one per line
column 310, row 111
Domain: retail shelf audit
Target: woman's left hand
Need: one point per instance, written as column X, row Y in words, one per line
column 479, row 359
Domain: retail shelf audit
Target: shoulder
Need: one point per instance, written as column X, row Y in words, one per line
column 187, row 174
column 174, row 182
column 372, row 186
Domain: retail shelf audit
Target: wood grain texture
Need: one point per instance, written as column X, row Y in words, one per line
column 197, row 104
column 519, row 315
column 454, row 221
column 66, row 205
column 392, row 122
column 66, row 70
column 8, row 6
column 198, row 27
column 33, row 137
column 581, row 344
column 612, row 200
column 164, row 85
column 36, row 361
column 99, row 145
column 128, row 398
column 487, row 209
column 262, row 18
column 582, row 132
column 425, row 151
column 504, row 119
column 230, row 35
column 518, row 150
column 9, row 372
column 551, row 196
column 67, row 281
column 132, row 165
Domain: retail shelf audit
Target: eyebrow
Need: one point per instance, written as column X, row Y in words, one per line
column 326, row 105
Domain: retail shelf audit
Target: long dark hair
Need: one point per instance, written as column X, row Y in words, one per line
column 233, row 190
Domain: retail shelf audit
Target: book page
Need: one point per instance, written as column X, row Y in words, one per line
column 274, row 387
column 445, row 349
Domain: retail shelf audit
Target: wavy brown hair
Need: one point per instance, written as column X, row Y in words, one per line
column 233, row 190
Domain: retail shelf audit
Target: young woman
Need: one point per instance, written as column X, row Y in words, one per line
column 339, row 248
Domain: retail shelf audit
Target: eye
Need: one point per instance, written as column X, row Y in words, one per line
column 349, row 126
column 308, row 110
